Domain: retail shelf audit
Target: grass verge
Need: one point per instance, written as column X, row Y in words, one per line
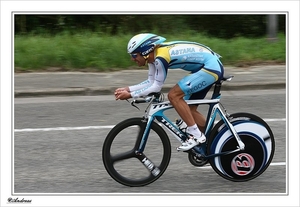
column 98, row 52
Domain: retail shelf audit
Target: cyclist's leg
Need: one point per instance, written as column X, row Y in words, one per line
column 199, row 118
column 196, row 82
column 206, row 77
column 217, row 73
column 191, row 84
column 196, row 86
column 175, row 96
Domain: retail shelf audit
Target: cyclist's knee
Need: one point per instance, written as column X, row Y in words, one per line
column 172, row 96
column 175, row 94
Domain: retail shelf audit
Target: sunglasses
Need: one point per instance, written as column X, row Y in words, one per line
column 134, row 55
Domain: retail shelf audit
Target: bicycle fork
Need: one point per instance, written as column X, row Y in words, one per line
column 148, row 164
column 143, row 136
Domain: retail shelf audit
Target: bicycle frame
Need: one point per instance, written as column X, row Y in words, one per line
column 155, row 111
column 223, row 149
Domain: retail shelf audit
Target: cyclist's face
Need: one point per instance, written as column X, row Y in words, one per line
column 138, row 59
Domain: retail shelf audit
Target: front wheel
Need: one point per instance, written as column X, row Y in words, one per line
column 120, row 157
column 245, row 164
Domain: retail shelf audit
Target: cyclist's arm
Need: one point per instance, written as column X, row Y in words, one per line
column 160, row 69
column 146, row 83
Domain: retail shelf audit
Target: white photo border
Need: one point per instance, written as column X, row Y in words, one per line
column 98, row 7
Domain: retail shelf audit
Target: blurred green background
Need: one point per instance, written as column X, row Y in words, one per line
column 99, row 42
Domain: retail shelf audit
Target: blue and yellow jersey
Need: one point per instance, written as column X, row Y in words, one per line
column 189, row 56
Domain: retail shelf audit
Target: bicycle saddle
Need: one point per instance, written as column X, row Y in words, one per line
column 227, row 78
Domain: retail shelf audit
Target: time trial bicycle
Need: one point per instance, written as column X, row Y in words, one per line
column 137, row 151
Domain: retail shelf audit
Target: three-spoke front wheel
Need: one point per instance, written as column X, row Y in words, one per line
column 122, row 160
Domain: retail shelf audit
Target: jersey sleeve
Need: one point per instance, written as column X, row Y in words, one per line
column 155, row 82
column 146, row 83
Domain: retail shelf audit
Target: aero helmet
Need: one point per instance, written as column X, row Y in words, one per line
column 144, row 43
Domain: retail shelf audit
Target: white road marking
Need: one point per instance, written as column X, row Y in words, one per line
column 64, row 128
column 271, row 164
column 97, row 127
column 273, row 120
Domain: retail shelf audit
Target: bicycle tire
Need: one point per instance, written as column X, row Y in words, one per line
column 258, row 153
column 127, row 169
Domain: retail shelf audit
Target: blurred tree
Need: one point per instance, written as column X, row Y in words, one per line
column 20, row 24
column 222, row 26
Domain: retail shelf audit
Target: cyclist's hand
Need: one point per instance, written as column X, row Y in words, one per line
column 121, row 89
column 122, row 95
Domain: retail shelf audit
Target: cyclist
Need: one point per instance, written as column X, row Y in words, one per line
column 200, row 60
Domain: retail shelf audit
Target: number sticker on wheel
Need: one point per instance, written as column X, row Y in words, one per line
column 242, row 164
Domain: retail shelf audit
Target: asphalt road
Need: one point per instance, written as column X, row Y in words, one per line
column 58, row 143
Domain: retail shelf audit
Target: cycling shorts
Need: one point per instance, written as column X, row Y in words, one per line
column 197, row 85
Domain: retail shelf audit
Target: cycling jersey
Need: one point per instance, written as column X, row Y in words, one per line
column 200, row 60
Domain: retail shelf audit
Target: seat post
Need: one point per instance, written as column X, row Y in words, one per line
column 218, row 85
column 217, row 90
